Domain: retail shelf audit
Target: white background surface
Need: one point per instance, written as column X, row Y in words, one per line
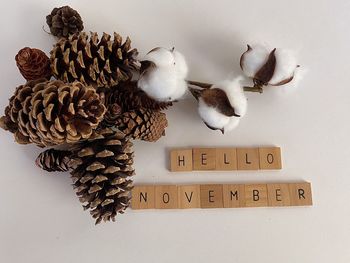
column 41, row 219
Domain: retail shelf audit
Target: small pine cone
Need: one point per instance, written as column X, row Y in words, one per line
column 33, row 64
column 53, row 160
column 102, row 64
column 113, row 112
column 52, row 112
column 143, row 124
column 64, row 21
column 130, row 97
column 102, row 172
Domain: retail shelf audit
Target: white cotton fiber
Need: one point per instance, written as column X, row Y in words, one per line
column 211, row 116
column 254, row 59
column 235, row 94
column 233, row 123
column 285, row 66
column 162, row 57
column 180, row 65
column 166, row 81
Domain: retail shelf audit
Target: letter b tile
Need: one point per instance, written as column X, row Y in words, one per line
column 255, row 195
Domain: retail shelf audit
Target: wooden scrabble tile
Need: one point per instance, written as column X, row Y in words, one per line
column 248, row 158
column 234, row 195
column 255, row 195
column 211, row 196
column 166, row 197
column 300, row 194
column 270, row 158
column 181, row 160
column 204, row 158
column 278, row 194
column 189, row 196
column 226, row 159
column 142, row 197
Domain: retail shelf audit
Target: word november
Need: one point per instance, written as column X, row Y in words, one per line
column 221, row 195
column 263, row 158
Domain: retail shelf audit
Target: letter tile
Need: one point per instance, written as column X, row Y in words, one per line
column 255, row 195
column 181, row 160
column 142, row 197
column 248, row 158
column 270, row 158
column 211, row 196
column 166, row 197
column 189, row 196
column 300, row 194
column 204, row 158
column 226, row 159
column 234, row 195
column 278, row 194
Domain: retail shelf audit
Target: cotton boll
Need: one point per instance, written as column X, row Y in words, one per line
column 235, row 94
column 211, row 116
column 253, row 59
column 233, row 123
column 164, row 78
column 179, row 91
column 180, row 65
column 286, row 65
column 162, row 57
column 160, row 83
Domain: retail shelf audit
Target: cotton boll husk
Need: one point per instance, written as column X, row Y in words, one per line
column 162, row 57
column 286, row 64
column 160, row 83
column 233, row 123
column 180, row 65
column 254, row 59
column 235, row 94
column 211, row 116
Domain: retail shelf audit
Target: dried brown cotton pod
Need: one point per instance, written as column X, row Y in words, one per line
column 268, row 67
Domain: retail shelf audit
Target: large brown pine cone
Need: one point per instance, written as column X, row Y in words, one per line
column 130, row 97
column 64, row 21
column 143, row 124
column 52, row 112
column 101, row 63
column 101, row 175
column 33, row 63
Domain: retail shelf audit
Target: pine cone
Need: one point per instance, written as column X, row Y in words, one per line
column 114, row 111
column 101, row 177
column 53, row 112
column 64, row 21
column 130, row 97
column 101, row 63
column 33, row 64
column 53, row 160
column 143, row 124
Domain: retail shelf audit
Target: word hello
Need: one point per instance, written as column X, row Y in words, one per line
column 225, row 159
column 221, row 195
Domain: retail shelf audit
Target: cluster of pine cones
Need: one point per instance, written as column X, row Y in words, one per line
column 84, row 99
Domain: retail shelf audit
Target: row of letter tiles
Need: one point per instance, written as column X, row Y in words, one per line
column 221, row 195
column 225, row 159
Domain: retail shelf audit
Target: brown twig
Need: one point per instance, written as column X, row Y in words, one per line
column 199, row 84
column 253, row 89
